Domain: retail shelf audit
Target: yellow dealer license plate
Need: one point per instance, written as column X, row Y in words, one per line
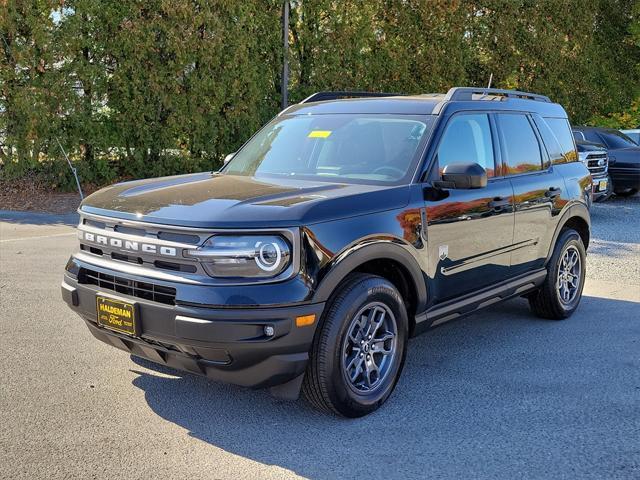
column 602, row 186
column 116, row 315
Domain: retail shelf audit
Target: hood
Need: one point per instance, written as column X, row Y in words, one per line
column 584, row 146
column 212, row 200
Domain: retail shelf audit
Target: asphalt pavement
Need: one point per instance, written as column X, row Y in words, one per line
column 500, row 394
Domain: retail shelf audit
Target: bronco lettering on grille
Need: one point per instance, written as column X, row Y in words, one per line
column 130, row 245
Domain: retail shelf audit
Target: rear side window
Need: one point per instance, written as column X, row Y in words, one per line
column 467, row 139
column 521, row 148
column 562, row 131
column 551, row 143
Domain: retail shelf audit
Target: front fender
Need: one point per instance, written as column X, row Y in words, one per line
column 380, row 248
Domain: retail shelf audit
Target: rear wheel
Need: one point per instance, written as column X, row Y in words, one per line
column 560, row 294
column 359, row 351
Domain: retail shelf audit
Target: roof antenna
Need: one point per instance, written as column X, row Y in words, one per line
column 490, row 80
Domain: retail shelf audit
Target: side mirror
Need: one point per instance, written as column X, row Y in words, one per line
column 464, row 176
column 228, row 158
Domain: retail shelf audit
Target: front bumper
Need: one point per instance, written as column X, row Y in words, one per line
column 223, row 343
column 600, row 195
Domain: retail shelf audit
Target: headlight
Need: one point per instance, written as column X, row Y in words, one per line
column 254, row 256
column 582, row 156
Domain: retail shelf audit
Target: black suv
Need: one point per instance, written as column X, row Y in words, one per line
column 348, row 224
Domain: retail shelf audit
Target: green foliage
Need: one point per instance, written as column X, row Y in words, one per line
column 134, row 89
column 627, row 119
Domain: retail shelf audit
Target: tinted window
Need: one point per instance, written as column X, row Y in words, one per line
column 615, row 139
column 363, row 148
column 562, row 132
column 551, row 143
column 522, row 150
column 467, row 139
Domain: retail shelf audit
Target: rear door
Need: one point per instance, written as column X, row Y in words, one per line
column 537, row 188
column 469, row 231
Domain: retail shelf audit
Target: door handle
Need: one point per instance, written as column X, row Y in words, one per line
column 553, row 192
column 499, row 202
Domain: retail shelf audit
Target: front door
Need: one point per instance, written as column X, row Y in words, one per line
column 469, row 232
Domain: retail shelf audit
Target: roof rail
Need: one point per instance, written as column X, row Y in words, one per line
column 322, row 96
column 467, row 93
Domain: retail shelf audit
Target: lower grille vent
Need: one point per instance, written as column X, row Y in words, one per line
column 125, row 286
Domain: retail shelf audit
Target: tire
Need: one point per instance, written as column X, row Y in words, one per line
column 547, row 301
column 626, row 193
column 326, row 384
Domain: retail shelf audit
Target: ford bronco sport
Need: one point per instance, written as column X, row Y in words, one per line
column 348, row 224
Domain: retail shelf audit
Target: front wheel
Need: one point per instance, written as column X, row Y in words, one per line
column 560, row 294
column 359, row 351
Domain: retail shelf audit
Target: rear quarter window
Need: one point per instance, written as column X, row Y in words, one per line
column 561, row 130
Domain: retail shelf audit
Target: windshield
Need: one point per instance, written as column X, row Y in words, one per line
column 616, row 140
column 344, row 147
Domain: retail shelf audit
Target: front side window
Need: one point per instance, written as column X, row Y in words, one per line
column 379, row 149
column 521, row 147
column 467, row 139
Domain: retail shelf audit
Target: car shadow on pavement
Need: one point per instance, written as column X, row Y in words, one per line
column 497, row 394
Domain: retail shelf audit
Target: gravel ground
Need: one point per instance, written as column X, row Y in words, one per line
column 499, row 394
column 614, row 251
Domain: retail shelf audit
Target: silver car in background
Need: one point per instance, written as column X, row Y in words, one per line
column 633, row 134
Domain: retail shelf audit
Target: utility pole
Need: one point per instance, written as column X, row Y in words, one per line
column 285, row 60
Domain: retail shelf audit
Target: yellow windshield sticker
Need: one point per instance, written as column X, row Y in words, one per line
column 319, row 133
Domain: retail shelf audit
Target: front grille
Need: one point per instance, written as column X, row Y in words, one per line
column 129, row 243
column 158, row 232
column 126, row 286
column 593, row 161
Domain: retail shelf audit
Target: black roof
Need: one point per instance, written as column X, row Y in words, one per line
column 458, row 98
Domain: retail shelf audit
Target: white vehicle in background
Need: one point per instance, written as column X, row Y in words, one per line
column 633, row 134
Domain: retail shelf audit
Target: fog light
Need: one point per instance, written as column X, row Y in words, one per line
column 269, row 331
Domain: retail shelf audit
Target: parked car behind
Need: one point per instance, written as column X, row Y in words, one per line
column 633, row 134
column 624, row 157
column 596, row 159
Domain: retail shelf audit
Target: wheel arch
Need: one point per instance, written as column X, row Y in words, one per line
column 576, row 217
column 386, row 258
